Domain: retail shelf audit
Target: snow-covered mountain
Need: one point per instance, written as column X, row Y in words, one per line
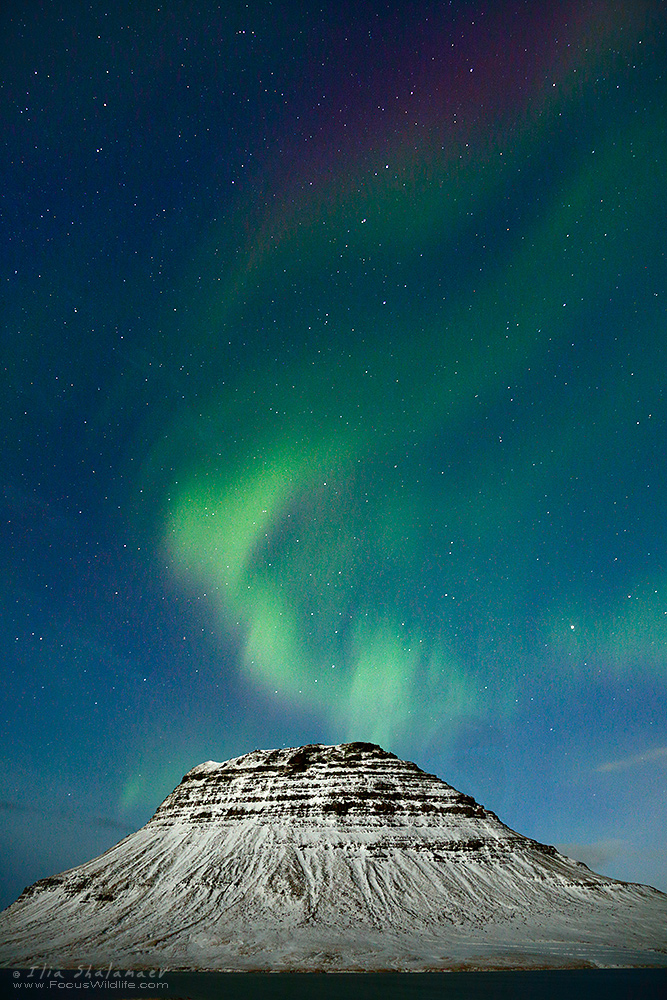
column 335, row 858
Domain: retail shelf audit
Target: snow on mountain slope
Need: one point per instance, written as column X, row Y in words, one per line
column 336, row 858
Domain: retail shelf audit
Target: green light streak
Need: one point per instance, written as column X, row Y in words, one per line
column 308, row 530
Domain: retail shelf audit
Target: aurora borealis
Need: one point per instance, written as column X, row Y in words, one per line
column 334, row 353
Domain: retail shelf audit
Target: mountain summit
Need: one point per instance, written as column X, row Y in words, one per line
column 334, row 858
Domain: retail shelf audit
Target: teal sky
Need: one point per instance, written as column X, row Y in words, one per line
column 334, row 354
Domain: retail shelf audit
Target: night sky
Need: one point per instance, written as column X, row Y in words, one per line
column 334, row 354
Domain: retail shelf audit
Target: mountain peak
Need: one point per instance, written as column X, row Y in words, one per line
column 350, row 783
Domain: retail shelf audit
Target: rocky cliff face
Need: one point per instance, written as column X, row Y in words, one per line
column 321, row 857
column 352, row 785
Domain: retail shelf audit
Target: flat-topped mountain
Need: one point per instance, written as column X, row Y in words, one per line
column 338, row 858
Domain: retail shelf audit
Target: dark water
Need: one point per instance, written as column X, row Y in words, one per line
column 602, row 984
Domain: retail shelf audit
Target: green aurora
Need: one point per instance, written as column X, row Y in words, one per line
column 381, row 516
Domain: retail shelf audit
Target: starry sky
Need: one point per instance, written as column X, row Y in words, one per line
column 333, row 355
